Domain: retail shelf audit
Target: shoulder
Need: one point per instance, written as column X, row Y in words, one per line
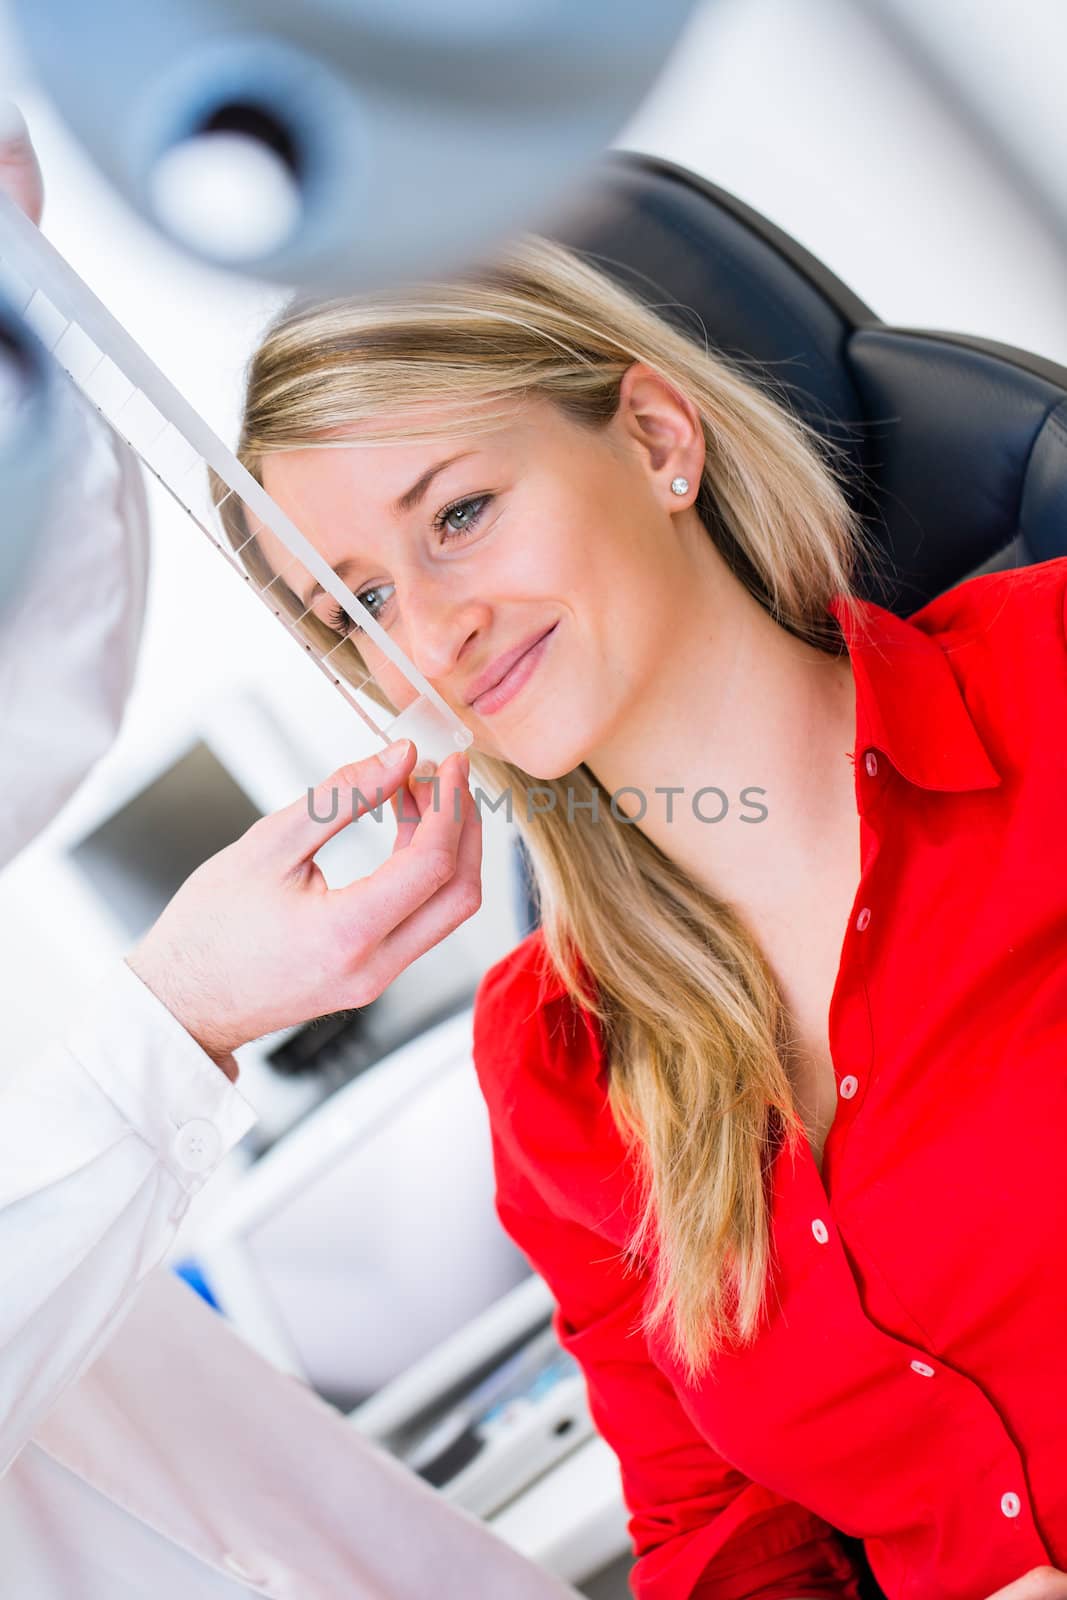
column 1004, row 635
column 526, row 1025
column 1022, row 606
column 543, row 1074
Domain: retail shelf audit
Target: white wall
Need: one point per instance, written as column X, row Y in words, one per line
column 803, row 109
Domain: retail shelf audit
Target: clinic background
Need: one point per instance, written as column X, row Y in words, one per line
column 917, row 151
column 840, row 120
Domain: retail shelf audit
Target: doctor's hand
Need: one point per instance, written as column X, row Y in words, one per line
column 255, row 940
column 20, row 172
column 1040, row 1583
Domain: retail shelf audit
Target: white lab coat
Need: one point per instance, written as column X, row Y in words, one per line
column 146, row 1451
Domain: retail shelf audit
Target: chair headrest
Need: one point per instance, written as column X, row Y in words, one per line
column 955, row 448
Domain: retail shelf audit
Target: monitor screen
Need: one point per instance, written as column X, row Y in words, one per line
column 138, row 859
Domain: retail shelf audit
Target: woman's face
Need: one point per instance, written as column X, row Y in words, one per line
column 542, row 534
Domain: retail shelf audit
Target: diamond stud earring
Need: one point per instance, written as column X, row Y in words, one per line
column 679, row 486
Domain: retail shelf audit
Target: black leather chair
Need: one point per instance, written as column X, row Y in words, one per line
column 957, row 446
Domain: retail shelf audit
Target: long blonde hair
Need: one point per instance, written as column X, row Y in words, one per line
column 690, row 1014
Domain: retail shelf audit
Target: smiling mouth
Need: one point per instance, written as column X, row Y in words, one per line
column 517, row 675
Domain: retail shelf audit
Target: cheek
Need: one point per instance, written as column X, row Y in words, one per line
column 386, row 677
column 400, row 692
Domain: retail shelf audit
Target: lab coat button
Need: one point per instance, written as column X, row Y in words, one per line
column 863, row 918
column 1010, row 1504
column 818, row 1228
column 923, row 1369
column 849, row 1086
column 197, row 1145
column 871, row 762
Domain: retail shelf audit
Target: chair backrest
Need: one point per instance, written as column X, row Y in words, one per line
column 957, row 445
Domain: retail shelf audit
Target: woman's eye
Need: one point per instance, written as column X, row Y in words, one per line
column 342, row 623
column 443, row 517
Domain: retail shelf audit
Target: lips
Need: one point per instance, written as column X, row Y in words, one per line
column 503, row 665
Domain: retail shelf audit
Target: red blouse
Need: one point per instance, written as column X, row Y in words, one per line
column 910, row 1384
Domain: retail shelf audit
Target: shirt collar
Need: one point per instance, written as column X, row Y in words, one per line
column 909, row 705
column 909, row 708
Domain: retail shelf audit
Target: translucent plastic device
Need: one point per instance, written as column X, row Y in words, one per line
column 226, row 502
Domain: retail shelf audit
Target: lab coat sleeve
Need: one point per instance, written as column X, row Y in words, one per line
column 70, row 638
column 105, row 1136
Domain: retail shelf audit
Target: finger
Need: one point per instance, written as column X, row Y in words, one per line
column 20, row 171
column 300, row 829
column 370, row 908
column 412, row 799
column 430, row 923
column 407, row 815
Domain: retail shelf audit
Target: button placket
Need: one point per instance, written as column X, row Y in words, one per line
column 851, row 978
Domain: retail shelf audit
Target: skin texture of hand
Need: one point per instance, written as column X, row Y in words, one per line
column 20, row 172
column 255, row 940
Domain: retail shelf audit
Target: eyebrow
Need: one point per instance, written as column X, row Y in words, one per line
column 400, row 508
column 409, row 500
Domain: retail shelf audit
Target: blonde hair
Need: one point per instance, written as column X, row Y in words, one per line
column 691, row 1017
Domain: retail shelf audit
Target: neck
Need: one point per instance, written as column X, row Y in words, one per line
column 739, row 703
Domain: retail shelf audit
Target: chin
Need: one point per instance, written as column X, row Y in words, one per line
column 542, row 761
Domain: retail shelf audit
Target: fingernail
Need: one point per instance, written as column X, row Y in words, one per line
column 425, row 768
column 395, row 754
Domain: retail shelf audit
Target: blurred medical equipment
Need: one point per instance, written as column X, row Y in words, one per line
column 344, row 143
column 368, row 1235
column 363, row 1254
column 228, row 505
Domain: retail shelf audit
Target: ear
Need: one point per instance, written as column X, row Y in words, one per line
column 665, row 429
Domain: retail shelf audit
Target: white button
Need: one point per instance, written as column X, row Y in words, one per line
column 871, row 762
column 1010, row 1504
column 239, row 1569
column 818, row 1228
column 197, row 1145
column 849, row 1086
column 863, row 918
column 922, row 1369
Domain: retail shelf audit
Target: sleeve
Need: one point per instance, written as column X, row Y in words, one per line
column 70, row 635
column 104, row 1139
column 700, row 1529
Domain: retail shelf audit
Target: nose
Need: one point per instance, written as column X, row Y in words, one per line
column 438, row 626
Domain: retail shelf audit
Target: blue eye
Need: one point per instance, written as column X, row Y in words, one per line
column 342, row 623
column 441, row 519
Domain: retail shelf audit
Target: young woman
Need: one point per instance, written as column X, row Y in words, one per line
column 777, row 1087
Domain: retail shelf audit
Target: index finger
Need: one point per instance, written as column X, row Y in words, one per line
column 414, row 873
